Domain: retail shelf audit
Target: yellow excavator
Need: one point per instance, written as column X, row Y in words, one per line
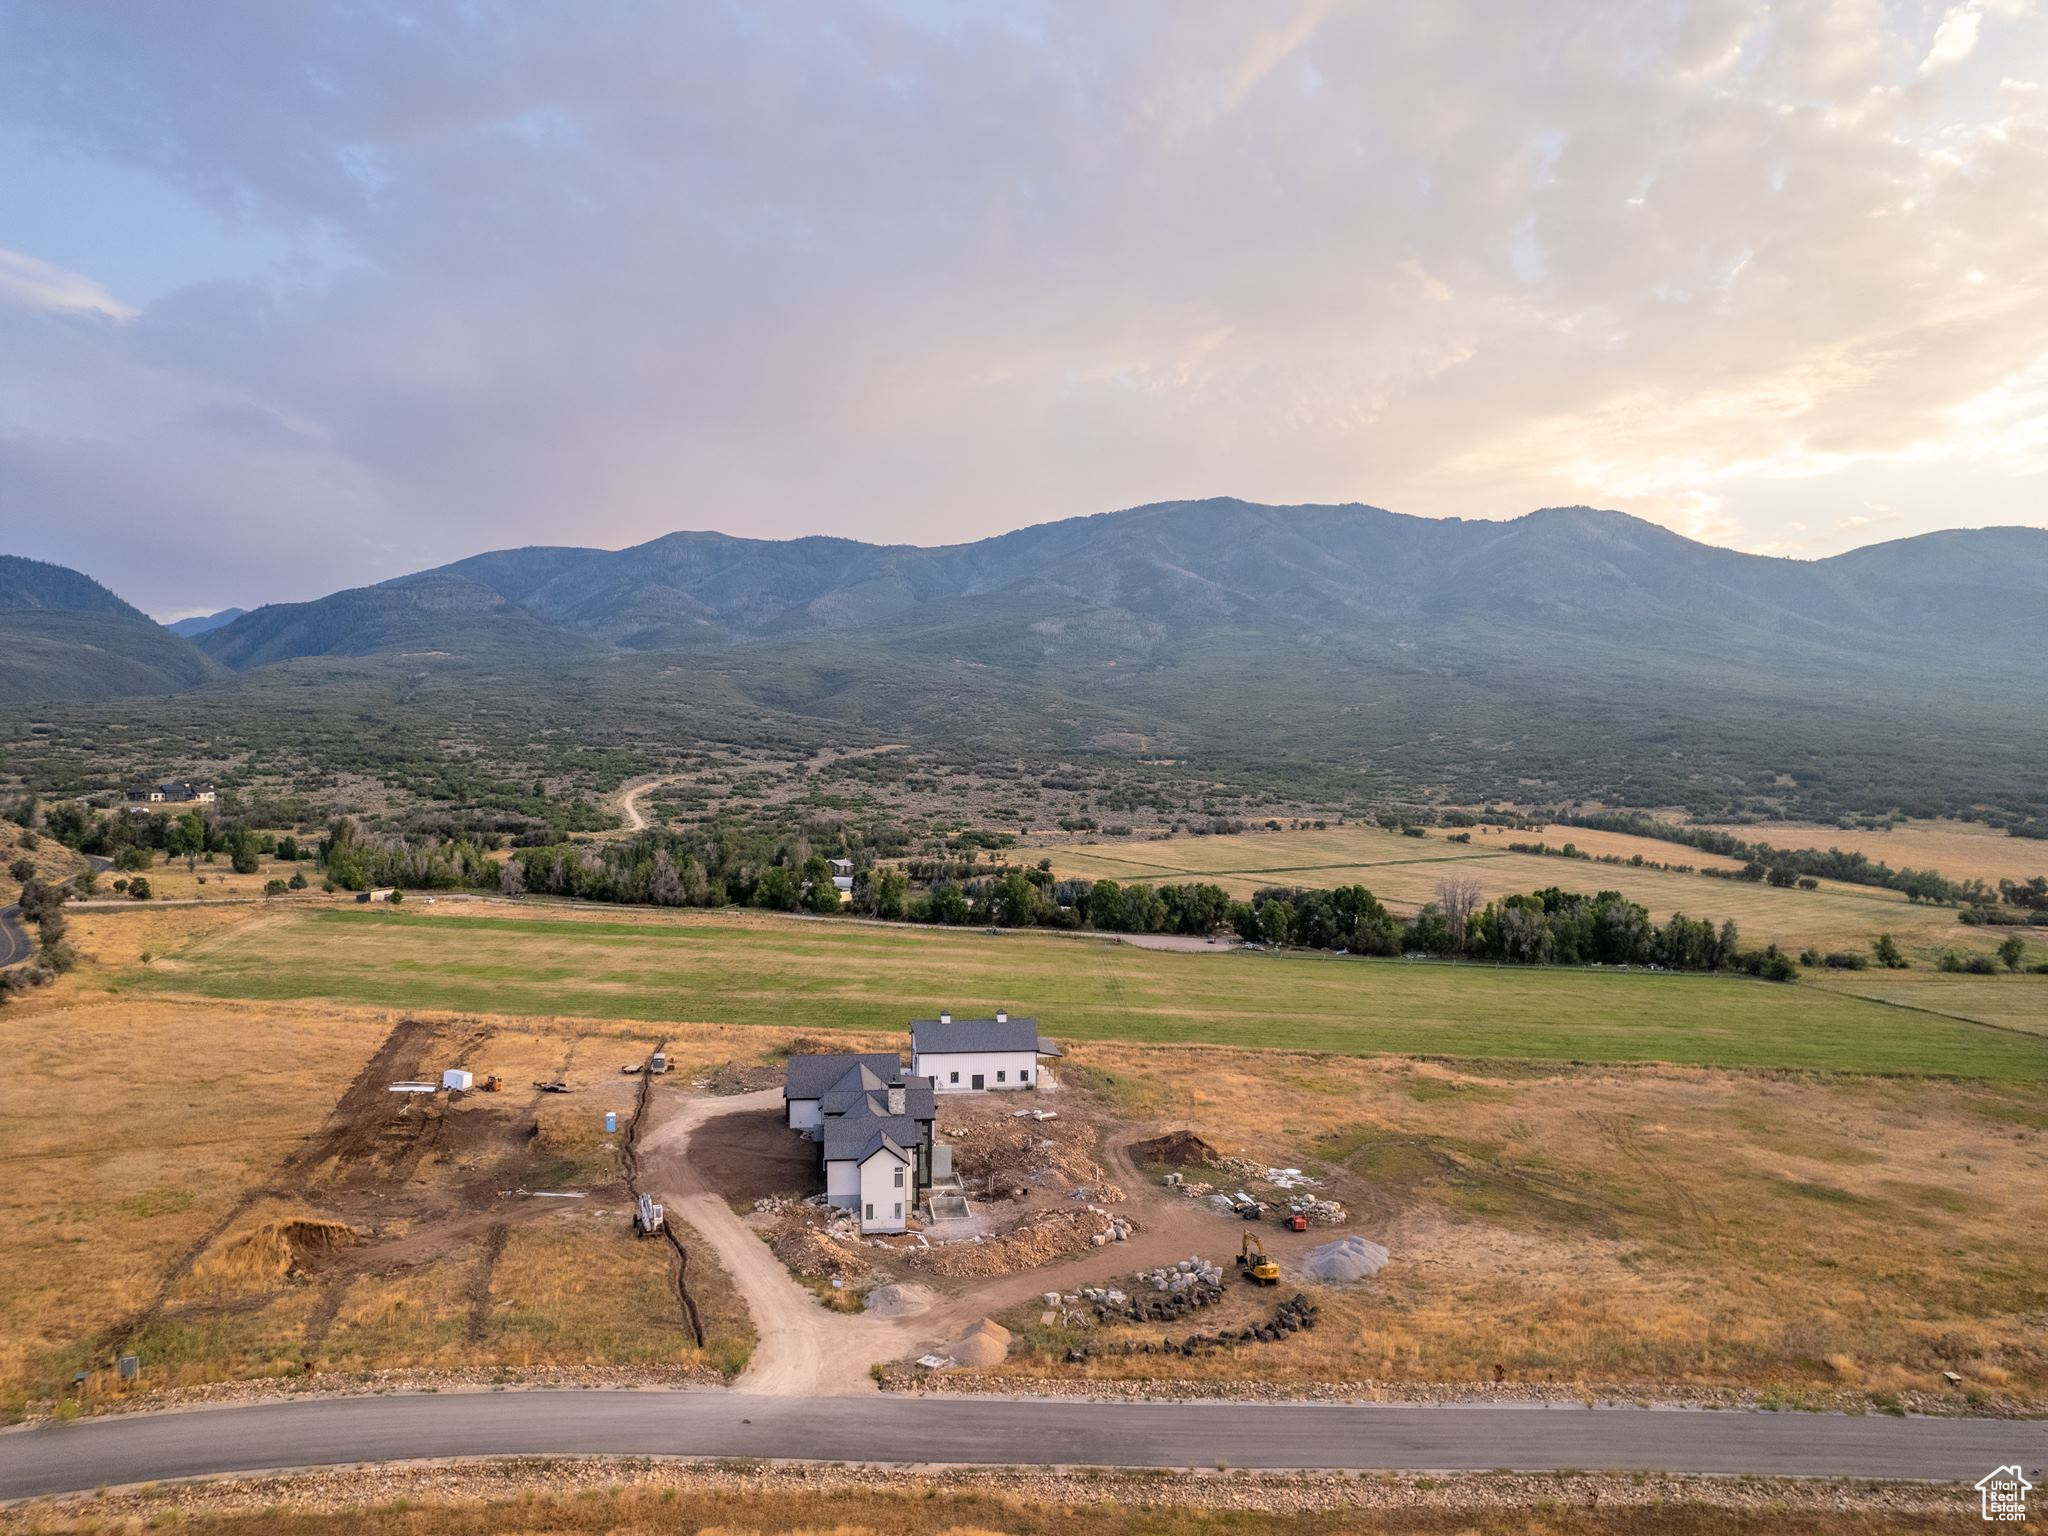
column 1251, row 1258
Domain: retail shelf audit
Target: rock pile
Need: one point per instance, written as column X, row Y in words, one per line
column 1294, row 1315
column 1320, row 1213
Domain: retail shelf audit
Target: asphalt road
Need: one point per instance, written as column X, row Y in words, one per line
column 61, row 1458
column 15, row 944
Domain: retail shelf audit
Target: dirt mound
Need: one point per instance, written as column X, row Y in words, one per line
column 734, row 1077
column 900, row 1300
column 271, row 1252
column 1177, row 1149
column 1347, row 1259
column 815, row 1256
column 981, row 1346
column 1003, row 1151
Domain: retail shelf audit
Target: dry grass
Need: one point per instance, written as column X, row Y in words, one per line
column 1640, row 1225
column 137, row 1139
column 128, row 1130
column 1961, row 850
column 53, row 860
column 1405, row 872
column 625, row 1498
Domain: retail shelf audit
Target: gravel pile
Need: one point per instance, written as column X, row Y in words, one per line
column 1345, row 1260
column 900, row 1300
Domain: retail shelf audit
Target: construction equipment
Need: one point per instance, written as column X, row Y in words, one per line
column 491, row 1084
column 648, row 1219
column 1251, row 1258
column 1297, row 1222
column 557, row 1086
column 1248, row 1208
column 659, row 1063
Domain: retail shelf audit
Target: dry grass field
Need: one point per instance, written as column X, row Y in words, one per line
column 1405, row 872
column 1790, row 1234
column 53, row 860
column 200, row 1184
column 1961, row 850
column 627, row 1498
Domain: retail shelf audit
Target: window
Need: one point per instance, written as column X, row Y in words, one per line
column 953, row 1077
column 899, row 1178
column 1024, row 1076
column 871, row 1210
column 1001, row 1075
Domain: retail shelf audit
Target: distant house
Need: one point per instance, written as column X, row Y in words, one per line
column 842, row 878
column 172, row 792
column 873, row 1126
column 978, row 1055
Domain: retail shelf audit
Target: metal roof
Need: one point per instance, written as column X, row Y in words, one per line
column 945, row 1036
column 812, row 1076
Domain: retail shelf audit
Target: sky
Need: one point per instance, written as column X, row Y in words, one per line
column 297, row 297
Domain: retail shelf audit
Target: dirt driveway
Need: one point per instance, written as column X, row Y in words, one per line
column 805, row 1348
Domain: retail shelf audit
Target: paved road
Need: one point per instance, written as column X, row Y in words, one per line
column 62, row 1458
column 15, row 944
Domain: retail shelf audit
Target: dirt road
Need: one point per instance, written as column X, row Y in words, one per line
column 630, row 793
column 805, row 1351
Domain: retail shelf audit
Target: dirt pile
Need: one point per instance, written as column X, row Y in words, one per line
column 900, row 1300
column 1040, row 1238
column 1345, row 1260
column 815, row 1256
column 732, row 1077
column 1177, row 1149
column 1000, row 1152
column 270, row 1252
column 986, row 1343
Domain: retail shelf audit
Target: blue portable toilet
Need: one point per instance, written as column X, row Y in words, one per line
column 611, row 1122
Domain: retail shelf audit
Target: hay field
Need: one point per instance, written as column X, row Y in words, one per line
column 198, row 1183
column 1405, row 872
column 1798, row 1236
column 1961, row 850
column 747, row 968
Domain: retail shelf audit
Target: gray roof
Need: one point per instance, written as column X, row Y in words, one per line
column 855, row 1136
column 941, row 1037
column 812, row 1076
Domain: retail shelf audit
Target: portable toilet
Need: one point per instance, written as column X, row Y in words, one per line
column 457, row 1080
column 611, row 1122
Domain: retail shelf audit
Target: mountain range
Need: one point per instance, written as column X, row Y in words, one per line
column 1152, row 576
column 1591, row 648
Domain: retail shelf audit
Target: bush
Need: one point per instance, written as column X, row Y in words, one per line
column 138, row 888
column 1846, row 960
column 274, row 887
column 1974, row 965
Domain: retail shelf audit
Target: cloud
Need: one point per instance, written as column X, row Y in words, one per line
column 926, row 273
column 39, row 285
column 1954, row 40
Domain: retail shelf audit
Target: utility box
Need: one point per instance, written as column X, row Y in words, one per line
column 457, row 1080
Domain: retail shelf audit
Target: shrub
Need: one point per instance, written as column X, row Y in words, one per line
column 138, row 888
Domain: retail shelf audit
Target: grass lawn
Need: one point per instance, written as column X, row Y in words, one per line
column 754, row 969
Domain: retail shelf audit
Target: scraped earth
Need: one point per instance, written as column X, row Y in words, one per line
column 1041, row 1189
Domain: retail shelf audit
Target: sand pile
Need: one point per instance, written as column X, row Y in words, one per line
column 1347, row 1259
column 986, row 1343
column 900, row 1300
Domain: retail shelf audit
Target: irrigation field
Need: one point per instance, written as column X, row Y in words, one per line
column 734, row 968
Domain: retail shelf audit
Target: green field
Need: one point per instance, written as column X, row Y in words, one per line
column 812, row 976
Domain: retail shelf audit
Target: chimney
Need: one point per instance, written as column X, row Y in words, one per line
column 1002, row 1017
column 945, row 1018
column 899, row 1101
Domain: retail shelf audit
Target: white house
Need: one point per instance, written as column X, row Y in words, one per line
column 873, row 1126
column 978, row 1055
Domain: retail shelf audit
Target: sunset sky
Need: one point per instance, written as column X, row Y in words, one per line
column 297, row 296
